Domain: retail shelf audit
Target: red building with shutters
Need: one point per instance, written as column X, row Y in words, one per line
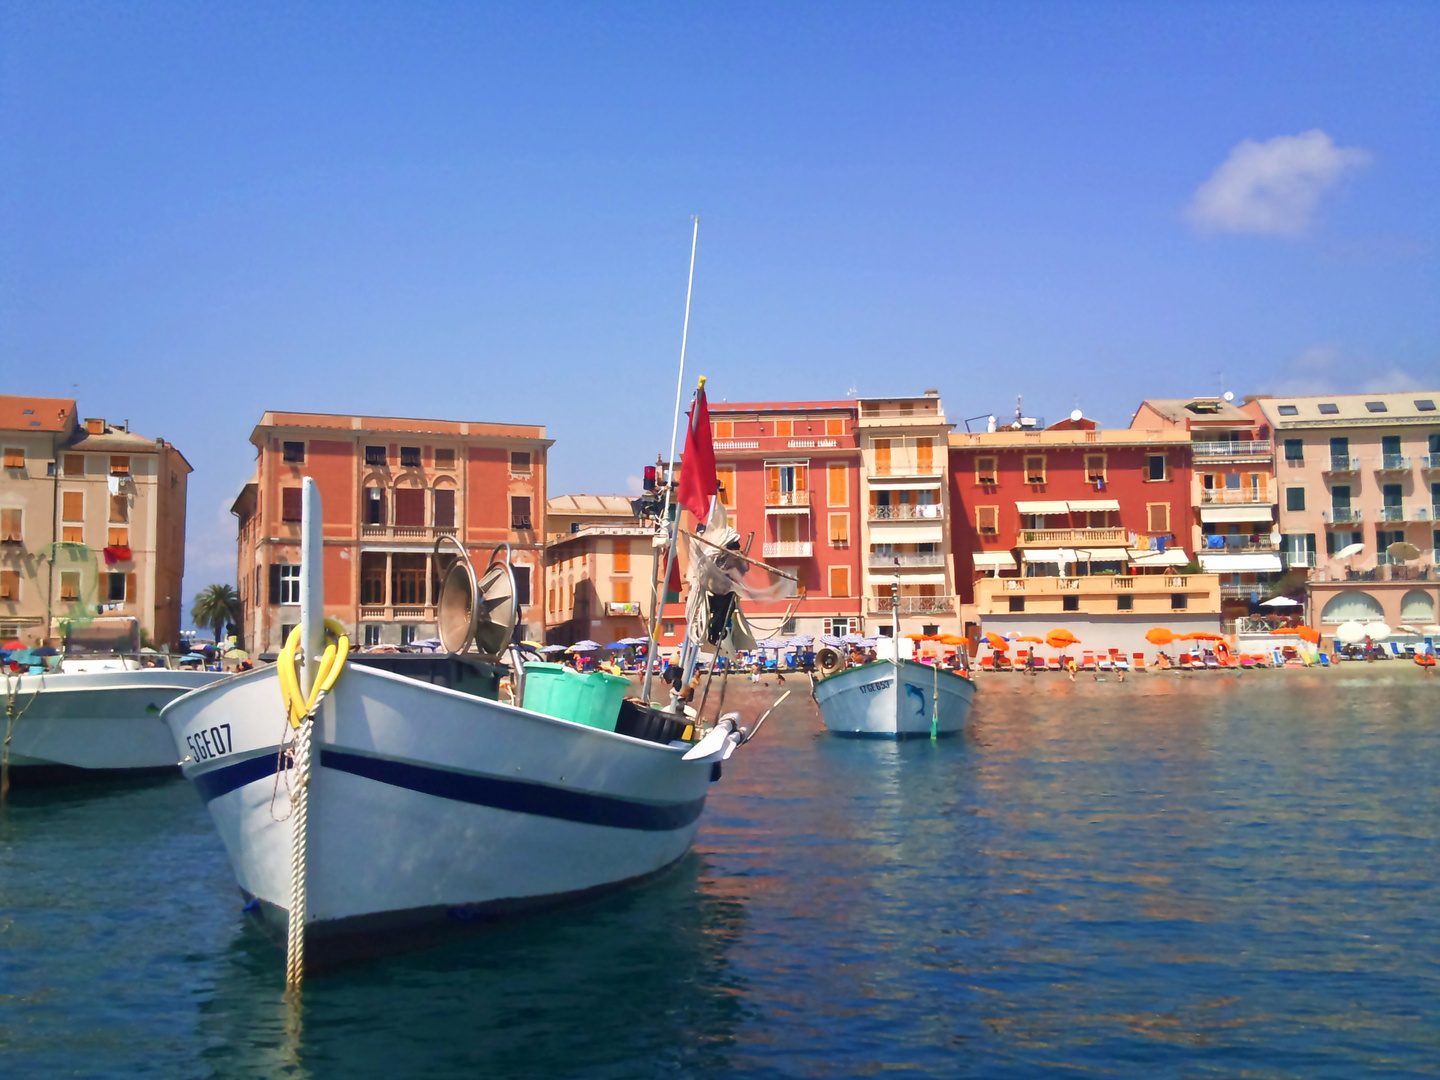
column 389, row 487
column 789, row 476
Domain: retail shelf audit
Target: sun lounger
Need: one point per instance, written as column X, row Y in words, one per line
column 1087, row 661
column 1324, row 659
column 1121, row 664
column 1052, row 664
column 1105, row 663
column 1139, row 660
column 987, row 663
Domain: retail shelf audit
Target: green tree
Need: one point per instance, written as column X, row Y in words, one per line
column 216, row 605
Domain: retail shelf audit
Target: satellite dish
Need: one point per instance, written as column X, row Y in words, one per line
column 1076, row 415
column 1229, row 396
column 484, row 610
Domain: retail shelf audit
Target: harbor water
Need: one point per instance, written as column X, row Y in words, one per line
column 1180, row 875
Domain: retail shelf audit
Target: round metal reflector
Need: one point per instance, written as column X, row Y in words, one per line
column 455, row 613
column 496, row 613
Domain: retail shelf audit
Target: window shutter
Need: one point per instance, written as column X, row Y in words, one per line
column 444, row 508
column 924, row 455
column 73, row 506
column 838, row 485
column 986, row 519
column 290, row 504
column 129, row 588
column 772, row 481
column 839, row 528
column 839, row 581
column 1159, row 517
column 274, row 596
column 725, row 475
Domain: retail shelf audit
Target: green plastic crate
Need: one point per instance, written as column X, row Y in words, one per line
column 559, row 691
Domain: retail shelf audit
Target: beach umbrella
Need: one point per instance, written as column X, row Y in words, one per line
column 1033, row 640
column 1378, row 631
column 953, row 639
column 11, row 645
column 1403, row 551
column 996, row 642
column 831, row 640
column 871, row 642
column 1060, row 638
column 1159, row 636
column 802, row 641
column 1432, row 630
column 584, row 646
column 1406, row 628
column 1352, row 633
column 616, row 645
column 1281, row 601
column 1349, row 550
column 854, row 639
column 1308, row 633
column 553, row 649
column 237, row 654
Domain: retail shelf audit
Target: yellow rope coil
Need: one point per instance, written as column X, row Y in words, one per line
column 337, row 650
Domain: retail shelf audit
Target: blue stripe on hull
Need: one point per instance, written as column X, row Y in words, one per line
column 519, row 796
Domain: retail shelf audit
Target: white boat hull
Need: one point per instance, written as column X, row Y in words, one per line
column 96, row 722
column 882, row 700
column 427, row 803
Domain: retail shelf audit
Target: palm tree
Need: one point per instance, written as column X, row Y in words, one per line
column 216, row 605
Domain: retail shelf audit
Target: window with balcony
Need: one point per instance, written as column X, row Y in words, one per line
column 1295, row 450
column 1035, row 468
column 445, row 457
column 787, row 485
column 14, row 457
column 74, row 465
column 722, row 429
column 375, row 456
column 409, row 508
column 372, row 578
column 444, row 499
column 924, row 456
column 292, row 453
column 1295, row 499
column 882, row 457
column 784, row 429
column 374, row 508
column 835, row 426
column 987, row 520
column 985, row 470
column 408, row 575
column 1155, row 467
column 520, row 512
column 290, row 509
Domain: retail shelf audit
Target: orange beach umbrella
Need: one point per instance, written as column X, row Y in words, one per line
column 1035, row 640
column 996, row 642
column 1201, row 635
column 1060, row 639
column 1159, row 636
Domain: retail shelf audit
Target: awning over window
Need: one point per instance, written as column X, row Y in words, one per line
column 1049, row 555
column 906, row 532
column 1052, row 507
column 1239, row 563
column 1094, row 504
column 1000, row 559
column 1168, row 557
column 1236, row 513
column 891, row 483
column 1110, row 554
column 931, row 577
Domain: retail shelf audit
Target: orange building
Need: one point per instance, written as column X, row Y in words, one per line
column 598, row 565
column 789, row 477
column 389, row 487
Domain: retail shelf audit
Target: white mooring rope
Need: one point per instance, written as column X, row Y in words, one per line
column 299, row 803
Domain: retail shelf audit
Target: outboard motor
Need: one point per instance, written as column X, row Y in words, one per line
column 830, row 660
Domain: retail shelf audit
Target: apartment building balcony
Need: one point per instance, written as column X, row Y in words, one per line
column 900, row 415
column 1244, row 590
column 731, row 445
column 1430, row 462
column 1239, row 545
column 1342, row 515
column 1097, row 594
column 1241, row 450
column 1409, row 512
column 397, row 613
column 423, row 533
column 772, row 444
column 787, row 501
column 908, row 512
column 906, row 559
column 1046, row 538
column 1393, row 463
column 900, row 469
column 912, row 605
column 1256, row 496
column 1341, row 465
column 1293, row 559
column 790, row 549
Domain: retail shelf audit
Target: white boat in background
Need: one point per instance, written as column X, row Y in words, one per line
column 895, row 699
column 96, row 717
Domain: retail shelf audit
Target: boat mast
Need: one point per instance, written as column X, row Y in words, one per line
column 658, row 589
column 895, row 637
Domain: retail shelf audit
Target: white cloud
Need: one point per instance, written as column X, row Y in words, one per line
column 634, row 485
column 1334, row 369
column 1274, row 187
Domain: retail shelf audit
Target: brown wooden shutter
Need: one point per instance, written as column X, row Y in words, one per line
column 290, row 504
column 129, row 588
column 274, row 593
column 72, row 505
column 882, row 457
column 924, row 455
column 444, row 508
column 410, row 507
column 1159, row 517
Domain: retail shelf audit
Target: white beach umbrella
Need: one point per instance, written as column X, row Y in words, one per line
column 1352, row 633
column 1348, row 550
column 1281, row 601
column 1432, row 630
column 1378, row 631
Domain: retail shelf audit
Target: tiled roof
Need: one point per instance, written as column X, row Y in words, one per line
column 1211, row 409
column 1419, row 406
column 35, row 413
column 618, row 505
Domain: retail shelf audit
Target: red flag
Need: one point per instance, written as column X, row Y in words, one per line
column 698, row 482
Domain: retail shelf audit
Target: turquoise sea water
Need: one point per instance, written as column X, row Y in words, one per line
column 1175, row 876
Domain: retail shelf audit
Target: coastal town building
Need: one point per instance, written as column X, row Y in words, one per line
column 905, row 528
column 1234, row 532
column 1359, row 475
column 389, row 487
column 599, row 562
column 789, row 476
column 92, row 525
column 1080, row 528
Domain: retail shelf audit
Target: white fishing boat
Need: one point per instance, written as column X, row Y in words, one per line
column 93, row 718
column 894, row 697
column 428, row 798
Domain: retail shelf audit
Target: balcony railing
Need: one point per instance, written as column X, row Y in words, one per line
column 1393, row 513
column 908, row 512
column 1069, row 537
column 1341, row 515
column 913, row 605
column 1222, row 451
column 899, row 468
column 1300, row 558
column 907, row 558
column 1394, row 463
column 812, row 444
column 790, row 549
column 737, row 444
column 1239, row 544
column 397, row 612
column 1430, row 462
column 1232, row 496
column 1244, row 589
column 1342, row 464
column 787, row 498
column 405, row 532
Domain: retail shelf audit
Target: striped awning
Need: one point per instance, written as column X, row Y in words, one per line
column 1050, row 507
column 1001, row 559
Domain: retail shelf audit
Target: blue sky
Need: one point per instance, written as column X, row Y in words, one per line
column 483, row 211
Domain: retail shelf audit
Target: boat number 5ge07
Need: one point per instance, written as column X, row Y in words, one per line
column 210, row 743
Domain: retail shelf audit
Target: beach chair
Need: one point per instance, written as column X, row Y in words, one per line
column 1087, row 661
column 1120, row 662
column 1324, row 659
column 1053, row 664
column 1138, row 660
column 1245, row 660
column 1212, row 662
column 1104, row 662
column 1396, row 653
column 987, row 663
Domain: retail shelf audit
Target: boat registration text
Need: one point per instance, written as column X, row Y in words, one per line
column 876, row 687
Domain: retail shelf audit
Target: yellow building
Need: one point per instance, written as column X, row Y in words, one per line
column 598, row 562
column 92, row 523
